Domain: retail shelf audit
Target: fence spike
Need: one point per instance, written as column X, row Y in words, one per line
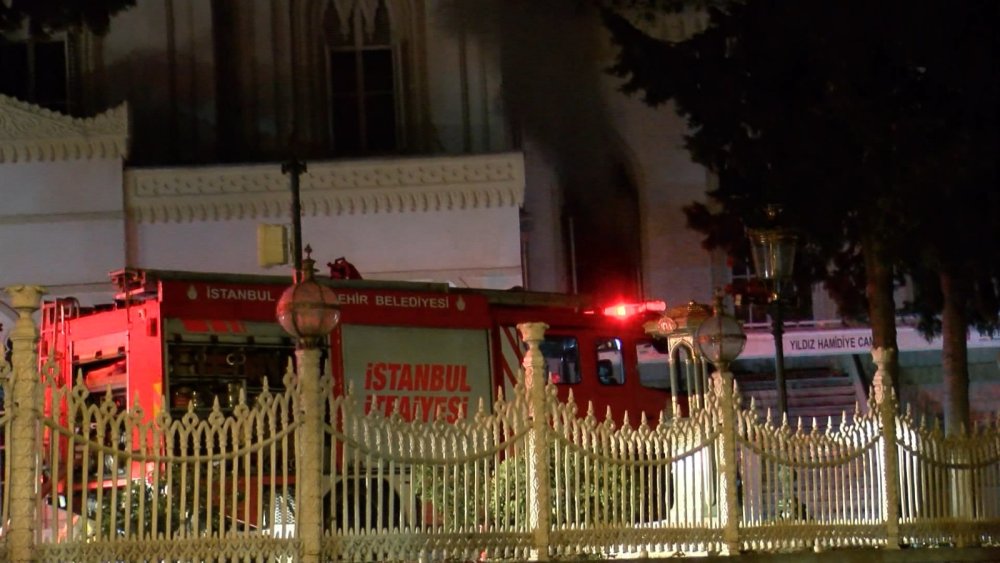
column 664, row 415
column 418, row 410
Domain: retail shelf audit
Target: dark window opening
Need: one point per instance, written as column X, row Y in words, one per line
column 362, row 73
column 653, row 364
column 610, row 362
column 562, row 359
column 35, row 71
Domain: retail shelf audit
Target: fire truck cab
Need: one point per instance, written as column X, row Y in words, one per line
column 179, row 340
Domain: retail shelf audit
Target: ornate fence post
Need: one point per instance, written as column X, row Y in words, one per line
column 730, row 513
column 885, row 399
column 539, row 505
column 308, row 311
column 309, row 465
column 22, row 442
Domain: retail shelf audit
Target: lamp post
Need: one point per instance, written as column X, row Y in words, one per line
column 773, row 251
column 720, row 338
column 308, row 311
column 295, row 168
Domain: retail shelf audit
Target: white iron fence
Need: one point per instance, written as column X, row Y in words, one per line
column 304, row 475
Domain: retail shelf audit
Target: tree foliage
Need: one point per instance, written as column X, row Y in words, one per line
column 872, row 124
column 46, row 16
column 859, row 118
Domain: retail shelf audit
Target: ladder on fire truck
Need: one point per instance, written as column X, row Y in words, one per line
column 132, row 284
column 55, row 313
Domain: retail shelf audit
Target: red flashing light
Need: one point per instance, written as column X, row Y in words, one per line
column 626, row 310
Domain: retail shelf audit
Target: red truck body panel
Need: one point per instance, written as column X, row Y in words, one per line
column 171, row 338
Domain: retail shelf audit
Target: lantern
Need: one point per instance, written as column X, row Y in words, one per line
column 308, row 310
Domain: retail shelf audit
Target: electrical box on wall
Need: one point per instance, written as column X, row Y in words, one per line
column 272, row 245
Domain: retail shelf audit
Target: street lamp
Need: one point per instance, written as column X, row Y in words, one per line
column 295, row 168
column 308, row 310
column 773, row 251
column 720, row 338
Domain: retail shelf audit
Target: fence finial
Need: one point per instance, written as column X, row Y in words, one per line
column 882, row 381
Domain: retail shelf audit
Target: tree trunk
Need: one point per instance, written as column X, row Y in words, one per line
column 954, row 356
column 881, row 306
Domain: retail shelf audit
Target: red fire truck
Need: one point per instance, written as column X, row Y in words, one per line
column 176, row 340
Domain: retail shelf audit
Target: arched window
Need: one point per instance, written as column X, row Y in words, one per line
column 37, row 69
column 364, row 51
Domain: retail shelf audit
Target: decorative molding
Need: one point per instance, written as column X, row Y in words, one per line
column 403, row 185
column 29, row 133
column 346, row 9
column 51, row 218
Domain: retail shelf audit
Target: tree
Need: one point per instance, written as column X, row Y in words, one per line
column 45, row 16
column 834, row 110
column 955, row 271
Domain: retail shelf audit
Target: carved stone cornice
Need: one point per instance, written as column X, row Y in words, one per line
column 29, row 133
column 258, row 191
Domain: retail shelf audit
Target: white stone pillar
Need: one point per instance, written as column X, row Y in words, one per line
column 885, row 399
column 730, row 514
column 309, row 465
column 22, row 443
column 539, row 505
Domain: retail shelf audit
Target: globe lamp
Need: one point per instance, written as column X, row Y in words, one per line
column 308, row 310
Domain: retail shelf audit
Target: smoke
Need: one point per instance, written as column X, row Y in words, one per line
column 552, row 56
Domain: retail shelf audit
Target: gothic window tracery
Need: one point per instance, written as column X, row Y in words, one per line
column 364, row 76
